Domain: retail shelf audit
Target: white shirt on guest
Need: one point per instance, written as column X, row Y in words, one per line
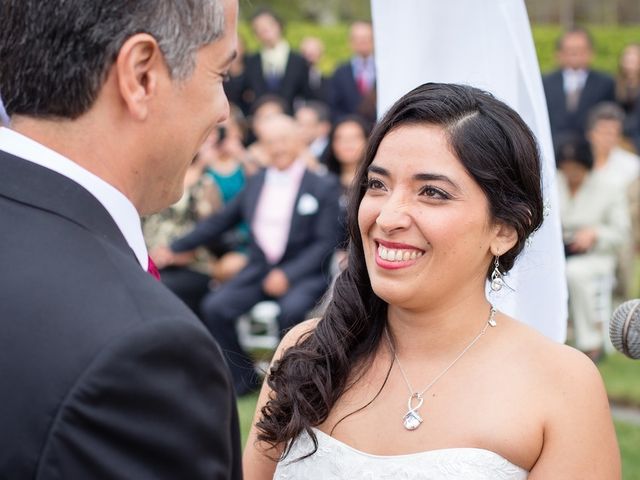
column 115, row 202
column 574, row 79
column 272, row 220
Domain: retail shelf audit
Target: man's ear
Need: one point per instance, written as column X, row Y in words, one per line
column 505, row 238
column 139, row 66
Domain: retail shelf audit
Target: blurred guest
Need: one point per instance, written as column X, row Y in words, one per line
column 315, row 125
column 224, row 156
column 235, row 83
column 574, row 88
column 604, row 132
column 188, row 277
column 293, row 216
column 266, row 106
column 352, row 88
column 628, row 91
column 312, row 49
column 595, row 224
column 275, row 69
column 347, row 143
column 628, row 78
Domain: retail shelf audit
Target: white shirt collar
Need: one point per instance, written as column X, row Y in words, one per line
column 574, row 79
column 119, row 207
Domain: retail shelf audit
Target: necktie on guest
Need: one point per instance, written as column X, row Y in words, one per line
column 153, row 270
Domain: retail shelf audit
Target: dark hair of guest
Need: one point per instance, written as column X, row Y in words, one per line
column 329, row 158
column 500, row 153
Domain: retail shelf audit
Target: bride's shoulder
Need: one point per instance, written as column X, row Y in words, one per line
column 549, row 361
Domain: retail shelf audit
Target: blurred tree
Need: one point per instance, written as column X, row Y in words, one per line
column 571, row 12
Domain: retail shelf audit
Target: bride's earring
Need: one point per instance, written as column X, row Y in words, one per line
column 496, row 276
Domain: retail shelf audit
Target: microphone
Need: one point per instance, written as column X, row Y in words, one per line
column 624, row 329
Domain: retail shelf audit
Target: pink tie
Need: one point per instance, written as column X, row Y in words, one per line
column 153, row 270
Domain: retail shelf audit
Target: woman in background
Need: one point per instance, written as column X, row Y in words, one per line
column 347, row 143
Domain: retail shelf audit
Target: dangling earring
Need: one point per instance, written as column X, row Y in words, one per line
column 496, row 276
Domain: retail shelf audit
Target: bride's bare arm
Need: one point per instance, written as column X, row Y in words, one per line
column 579, row 438
column 259, row 459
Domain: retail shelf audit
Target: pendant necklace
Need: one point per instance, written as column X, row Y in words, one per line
column 412, row 418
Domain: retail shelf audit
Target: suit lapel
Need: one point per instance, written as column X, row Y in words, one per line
column 254, row 189
column 305, row 184
column 31, row 184
column 584, row 99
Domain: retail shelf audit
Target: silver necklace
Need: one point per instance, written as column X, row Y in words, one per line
column 412, row 418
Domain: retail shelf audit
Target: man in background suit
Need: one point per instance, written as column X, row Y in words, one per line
column 275, row 69
column 104, row 374
column 293, row 216
column 574, row 89
column 312, row 49
column 352, row 89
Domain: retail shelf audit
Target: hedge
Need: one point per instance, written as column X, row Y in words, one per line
column 609, row 42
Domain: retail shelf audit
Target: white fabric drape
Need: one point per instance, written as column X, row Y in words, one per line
column 486, row 44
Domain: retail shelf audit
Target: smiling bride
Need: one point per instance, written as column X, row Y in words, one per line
column 411, row 372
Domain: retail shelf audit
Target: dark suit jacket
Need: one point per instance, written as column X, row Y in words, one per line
column 293, row 84
column 312, row 236
column 104, row 374
column 599, row 87
column 345, row 98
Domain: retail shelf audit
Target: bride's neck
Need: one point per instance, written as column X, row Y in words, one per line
column 439, row 329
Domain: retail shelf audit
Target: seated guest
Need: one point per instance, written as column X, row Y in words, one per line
column 315, row 125
column 574, row 88
column 347, row 142
column 188, row 276
column 224, row 155
column 595, row 224
column 263, row 108
column 604, row 132
column 293, row 218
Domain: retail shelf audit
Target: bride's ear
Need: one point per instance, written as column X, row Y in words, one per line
column 505, row 238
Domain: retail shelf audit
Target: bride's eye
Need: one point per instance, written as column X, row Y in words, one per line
column 433, row 192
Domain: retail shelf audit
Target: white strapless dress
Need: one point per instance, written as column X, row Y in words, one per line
column 336, row 460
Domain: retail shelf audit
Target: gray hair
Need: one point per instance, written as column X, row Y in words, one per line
column 605, row 111
column 55, row 55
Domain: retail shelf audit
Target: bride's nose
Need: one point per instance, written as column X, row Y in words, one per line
column 394, row 214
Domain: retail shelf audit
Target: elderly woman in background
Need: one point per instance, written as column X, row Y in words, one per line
column 595, row 223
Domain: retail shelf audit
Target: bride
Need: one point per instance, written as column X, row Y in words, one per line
column 411, row 373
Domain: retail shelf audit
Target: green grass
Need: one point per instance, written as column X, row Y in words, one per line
column 246, row 409
column 629, row 440
column 622, row 379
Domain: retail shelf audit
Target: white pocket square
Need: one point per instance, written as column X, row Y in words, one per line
column 307, row 205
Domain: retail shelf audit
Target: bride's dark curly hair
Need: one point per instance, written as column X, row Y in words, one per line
column 500, row 153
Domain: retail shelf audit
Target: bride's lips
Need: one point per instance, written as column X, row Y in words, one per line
column 395, row 255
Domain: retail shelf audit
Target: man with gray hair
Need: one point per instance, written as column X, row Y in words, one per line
column 103, row 373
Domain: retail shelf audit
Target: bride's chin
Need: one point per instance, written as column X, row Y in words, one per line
column 394, row 295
